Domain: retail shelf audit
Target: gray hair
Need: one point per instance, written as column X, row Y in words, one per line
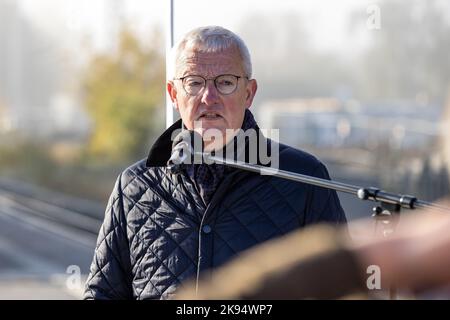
column 211, row 39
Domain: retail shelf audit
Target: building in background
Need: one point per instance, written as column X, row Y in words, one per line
column 395, row 144
column 330, row 122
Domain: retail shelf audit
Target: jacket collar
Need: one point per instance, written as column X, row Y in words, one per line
column 162, row 148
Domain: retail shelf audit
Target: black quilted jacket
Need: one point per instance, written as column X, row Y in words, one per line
column 158, row 233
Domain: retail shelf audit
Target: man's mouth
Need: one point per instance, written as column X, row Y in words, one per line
column 210, row 116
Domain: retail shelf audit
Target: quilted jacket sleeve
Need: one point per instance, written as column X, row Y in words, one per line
column 323, row 204
column 110, row 275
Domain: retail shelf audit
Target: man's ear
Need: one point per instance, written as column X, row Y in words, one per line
column 252, row 86
column 172, row 91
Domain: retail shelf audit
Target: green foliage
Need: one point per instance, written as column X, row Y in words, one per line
column 123, row 91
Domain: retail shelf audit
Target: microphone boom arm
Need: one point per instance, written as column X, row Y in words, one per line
column 363, row 193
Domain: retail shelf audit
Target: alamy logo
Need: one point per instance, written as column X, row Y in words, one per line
column 250, row 146
column 373, row 21
column 374, row 280
column 73, row 281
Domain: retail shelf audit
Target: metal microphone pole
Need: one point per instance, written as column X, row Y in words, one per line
column 182, row 151
column 363, row 193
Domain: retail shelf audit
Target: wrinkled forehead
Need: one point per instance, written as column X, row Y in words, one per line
column 209, row 63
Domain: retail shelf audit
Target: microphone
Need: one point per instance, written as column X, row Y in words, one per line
column 183, row 150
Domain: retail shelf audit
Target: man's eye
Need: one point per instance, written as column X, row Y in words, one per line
column 194, row 84
column 226, row 83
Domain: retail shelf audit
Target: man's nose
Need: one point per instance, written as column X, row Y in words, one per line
column 210, row 95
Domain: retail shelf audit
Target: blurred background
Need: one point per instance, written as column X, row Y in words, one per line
column 363, row 85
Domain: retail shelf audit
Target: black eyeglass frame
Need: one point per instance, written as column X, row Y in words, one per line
column 214, row 81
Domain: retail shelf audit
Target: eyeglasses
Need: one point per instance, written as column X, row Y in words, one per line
column 225, row 83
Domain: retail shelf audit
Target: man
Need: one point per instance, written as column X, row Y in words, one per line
column 162, row 228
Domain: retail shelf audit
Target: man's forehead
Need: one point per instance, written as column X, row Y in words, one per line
column 193, row 56
column 228, row 59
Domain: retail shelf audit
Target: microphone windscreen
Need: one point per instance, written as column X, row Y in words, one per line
column 191, row 137
column 185, row 135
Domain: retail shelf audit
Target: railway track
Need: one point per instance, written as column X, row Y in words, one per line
column 52, row 207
